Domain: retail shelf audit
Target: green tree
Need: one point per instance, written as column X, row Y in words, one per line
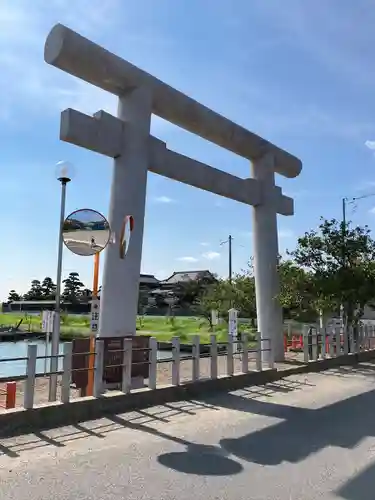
column 72, row 287
column 340, row 259
column 244, row 293
column 13, row 296
column 187, row 292
column 86, row 295
column 48, row 288
column 297, row 296
column 35, row 292
column 218, row 296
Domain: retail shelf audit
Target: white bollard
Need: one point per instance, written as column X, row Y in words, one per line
column 196, row 354
column 245, row 353
column 230, row 366
column 176, row 361
column 67, row 372
column 153, row 360
column 28, row 401
column 127, row 366
column 213, row 352
column 99, row 367
column 258, row 352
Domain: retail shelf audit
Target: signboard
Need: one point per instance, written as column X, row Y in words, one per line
column 232, row 324
column 95, row 311
column 113, row 356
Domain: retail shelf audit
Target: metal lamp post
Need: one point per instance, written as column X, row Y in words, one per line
column 64, row 172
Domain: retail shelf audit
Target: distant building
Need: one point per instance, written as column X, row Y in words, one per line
column 186, row 276
column 165, row 289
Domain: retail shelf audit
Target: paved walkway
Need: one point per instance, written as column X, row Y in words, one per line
column 306, row 437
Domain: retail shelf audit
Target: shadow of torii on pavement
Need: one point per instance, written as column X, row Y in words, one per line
column 302, row 431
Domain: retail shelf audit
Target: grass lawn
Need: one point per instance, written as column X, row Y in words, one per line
column 162, row 328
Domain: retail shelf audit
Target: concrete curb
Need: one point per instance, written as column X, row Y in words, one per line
column 42, row 417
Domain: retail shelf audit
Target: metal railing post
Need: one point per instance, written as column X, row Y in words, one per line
column 196, row 354
column 67, row 372
column 230, row 367
column 258, row 352
column 29, row 389
column 153, row 346
column 271, row 359
column 176, row 361
column 98, row 368
column 213, row 352
column 305, row 336
column 245, row 353
column 127, row 366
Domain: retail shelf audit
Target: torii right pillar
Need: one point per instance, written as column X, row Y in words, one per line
column 266, row 254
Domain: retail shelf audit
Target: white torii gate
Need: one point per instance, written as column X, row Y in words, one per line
column 127, row 139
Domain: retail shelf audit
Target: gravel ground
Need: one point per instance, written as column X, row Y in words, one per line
column 164, row 377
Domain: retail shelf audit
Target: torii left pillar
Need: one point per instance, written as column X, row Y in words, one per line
column 120, row 287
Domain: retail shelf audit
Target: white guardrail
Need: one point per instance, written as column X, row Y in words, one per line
column 229, row 358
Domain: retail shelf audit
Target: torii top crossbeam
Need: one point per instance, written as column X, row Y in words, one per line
column 71, row 52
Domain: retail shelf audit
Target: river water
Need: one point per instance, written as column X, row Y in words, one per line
column 19, row 350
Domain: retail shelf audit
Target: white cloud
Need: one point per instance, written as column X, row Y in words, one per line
column 211, row 255
column 187, row 259
column 285, row 233
column 163, row 199
column 370, row 144
column 29, row 83
column 205, row 244
column 372, row 210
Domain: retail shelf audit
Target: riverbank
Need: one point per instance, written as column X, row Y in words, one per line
column 163, row 328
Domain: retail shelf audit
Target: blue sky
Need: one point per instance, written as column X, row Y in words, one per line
column 299, row 73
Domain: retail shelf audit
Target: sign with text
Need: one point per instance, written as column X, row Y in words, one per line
column 95, row 311
column 232, row 324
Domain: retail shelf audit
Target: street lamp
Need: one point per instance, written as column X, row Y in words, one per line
column 64, row 174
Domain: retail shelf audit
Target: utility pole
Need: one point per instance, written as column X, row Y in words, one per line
column 346, row 201
column 229, row 241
